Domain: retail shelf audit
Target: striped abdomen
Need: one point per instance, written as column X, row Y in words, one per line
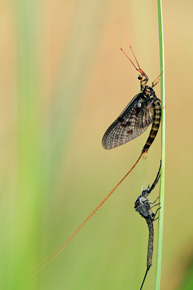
column 150, row 242
column 155, row 125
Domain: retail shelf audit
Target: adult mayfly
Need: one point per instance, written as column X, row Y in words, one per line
column 143, row 110
column 142, row 205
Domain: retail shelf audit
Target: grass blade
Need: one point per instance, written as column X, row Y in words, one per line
column 162, row 180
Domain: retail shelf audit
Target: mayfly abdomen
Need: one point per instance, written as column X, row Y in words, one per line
column 155, row 125
column 150, row 242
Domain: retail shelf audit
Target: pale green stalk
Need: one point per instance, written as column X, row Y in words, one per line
column 162, row 180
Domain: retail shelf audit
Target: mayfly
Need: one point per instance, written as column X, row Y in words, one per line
column 143, row 110
column 143, row 206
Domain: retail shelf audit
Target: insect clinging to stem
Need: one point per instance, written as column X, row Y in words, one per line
column 144, row 208
column 144, row 109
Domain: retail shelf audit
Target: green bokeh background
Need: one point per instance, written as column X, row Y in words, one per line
column 62, row 82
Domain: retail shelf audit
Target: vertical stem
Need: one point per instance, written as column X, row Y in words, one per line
column 162, row 180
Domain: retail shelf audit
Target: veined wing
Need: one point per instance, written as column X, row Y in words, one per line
column 131, row 123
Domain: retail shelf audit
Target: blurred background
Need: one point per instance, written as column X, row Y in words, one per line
column 62, row 83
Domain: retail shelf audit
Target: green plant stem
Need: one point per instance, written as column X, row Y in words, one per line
column 162, row 180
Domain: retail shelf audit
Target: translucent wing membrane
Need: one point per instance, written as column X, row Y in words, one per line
column 131, row 123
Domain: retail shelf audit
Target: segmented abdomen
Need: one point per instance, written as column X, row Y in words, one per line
column 155, row 125
column 150, row 242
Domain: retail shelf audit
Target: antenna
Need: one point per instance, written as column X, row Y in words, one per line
column 125, row 35
column 139, row 68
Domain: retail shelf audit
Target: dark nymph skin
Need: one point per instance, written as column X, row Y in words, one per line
column 144, row 207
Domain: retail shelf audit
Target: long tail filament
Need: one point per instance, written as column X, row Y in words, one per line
column 56, row 252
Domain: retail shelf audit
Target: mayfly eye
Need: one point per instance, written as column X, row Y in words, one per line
column 139, row 77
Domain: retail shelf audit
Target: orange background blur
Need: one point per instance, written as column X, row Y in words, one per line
column 62, row 83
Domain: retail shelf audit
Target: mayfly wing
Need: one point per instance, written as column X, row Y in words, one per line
column 156, row 179
column 131, row 123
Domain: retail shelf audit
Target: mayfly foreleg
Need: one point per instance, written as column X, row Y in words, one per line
column 152, row 202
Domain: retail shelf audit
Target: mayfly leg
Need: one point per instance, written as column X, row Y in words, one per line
column 156, row 213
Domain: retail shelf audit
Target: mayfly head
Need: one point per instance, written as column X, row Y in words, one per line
column 143, row 78
column 145, row 191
